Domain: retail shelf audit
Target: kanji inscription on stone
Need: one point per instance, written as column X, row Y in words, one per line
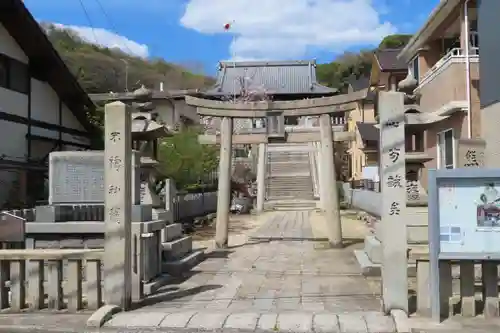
column 394, row 181
column 394, row 209
column 471, row 153
column 394, row 154
column 76, row 177
column 114, row 136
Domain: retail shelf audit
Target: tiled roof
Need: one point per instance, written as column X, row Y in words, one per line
column 368, row 131
column 361, row 83
column 389, row 62
column 273, row 77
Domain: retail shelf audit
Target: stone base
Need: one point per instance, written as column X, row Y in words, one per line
column 153, row 286
column 369, row 268
column 177, row 248
column 179, row 266
column 161, row 214
column 373, row 249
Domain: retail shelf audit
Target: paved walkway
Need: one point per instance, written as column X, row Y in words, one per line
column 285, row 285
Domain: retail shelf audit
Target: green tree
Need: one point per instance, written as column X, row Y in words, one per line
column 394, row 41
column 357, row 64
column 187, row 161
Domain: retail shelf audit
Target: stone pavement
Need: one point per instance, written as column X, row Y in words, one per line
column 263, row 284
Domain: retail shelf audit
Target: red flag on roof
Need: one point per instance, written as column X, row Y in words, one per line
column 227, row 26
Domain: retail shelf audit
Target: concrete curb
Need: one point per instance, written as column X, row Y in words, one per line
column 401, row 321
column 102, row 315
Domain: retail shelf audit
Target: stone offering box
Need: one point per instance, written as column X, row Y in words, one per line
column 464, row 214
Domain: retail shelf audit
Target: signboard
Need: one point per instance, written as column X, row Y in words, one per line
column 11, row 228
column 464, row 215
column 464, row 221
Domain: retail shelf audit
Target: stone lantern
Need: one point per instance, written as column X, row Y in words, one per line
column 147, row 129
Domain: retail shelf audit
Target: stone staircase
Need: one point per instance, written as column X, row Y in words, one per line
column 289, row 183
column 178, row 253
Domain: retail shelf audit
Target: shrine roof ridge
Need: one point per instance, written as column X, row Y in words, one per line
column 265, row 63
column 274, row 77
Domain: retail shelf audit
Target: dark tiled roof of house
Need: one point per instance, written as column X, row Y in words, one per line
column 361, row 83
column 45, row 62
column 368, row 131
column 389, row 62
column 273, row 77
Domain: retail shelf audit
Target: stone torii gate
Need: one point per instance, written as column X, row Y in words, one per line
column 275, row 113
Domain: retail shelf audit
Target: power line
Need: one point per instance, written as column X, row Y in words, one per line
column 88, row 19
column 111, row 23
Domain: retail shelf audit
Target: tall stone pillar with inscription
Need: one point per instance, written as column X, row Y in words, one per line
column 118, row 205
column 393, row 225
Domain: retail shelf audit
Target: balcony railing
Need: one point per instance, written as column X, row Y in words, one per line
column 456, row 55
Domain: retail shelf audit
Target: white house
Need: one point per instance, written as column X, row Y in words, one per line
column 42, row 106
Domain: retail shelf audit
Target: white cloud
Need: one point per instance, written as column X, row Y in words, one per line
column 285, row 29
column 109, row 39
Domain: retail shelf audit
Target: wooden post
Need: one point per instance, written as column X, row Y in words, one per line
column 224, row 190
column 329, row 179
column 261, row 177
column 118, row 205
column 393, row 179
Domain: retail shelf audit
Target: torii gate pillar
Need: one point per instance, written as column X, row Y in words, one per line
column 224, row 189
column 330, row 204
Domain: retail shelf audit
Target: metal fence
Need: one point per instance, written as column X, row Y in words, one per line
column 365, row 184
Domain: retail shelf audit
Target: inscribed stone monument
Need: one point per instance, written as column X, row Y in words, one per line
column 393, row 186
column 78, row 178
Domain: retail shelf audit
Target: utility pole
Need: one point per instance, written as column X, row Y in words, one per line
column 126, row 74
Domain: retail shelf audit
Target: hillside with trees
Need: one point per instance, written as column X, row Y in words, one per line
column 336, row 73
column 100, row 69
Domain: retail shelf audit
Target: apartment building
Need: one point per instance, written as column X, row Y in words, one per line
column 443, row 58
column 386, row 71
column 363, row 151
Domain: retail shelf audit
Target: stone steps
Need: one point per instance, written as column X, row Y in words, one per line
column 178, row 253
column 289, row 205
column 275, row 195
column 184, row 264
column 177, row 248
column 285, row 167
column 289, row 174
column 171, row 232
column 288, row 159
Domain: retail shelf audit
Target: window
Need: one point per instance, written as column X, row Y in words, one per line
column 414, row 68
column 18, row 77
column 3, row 72
column 14, row 75
column 414, row 141
column 446, row 149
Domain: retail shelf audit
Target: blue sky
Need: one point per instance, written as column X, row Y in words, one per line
column 191, row 33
